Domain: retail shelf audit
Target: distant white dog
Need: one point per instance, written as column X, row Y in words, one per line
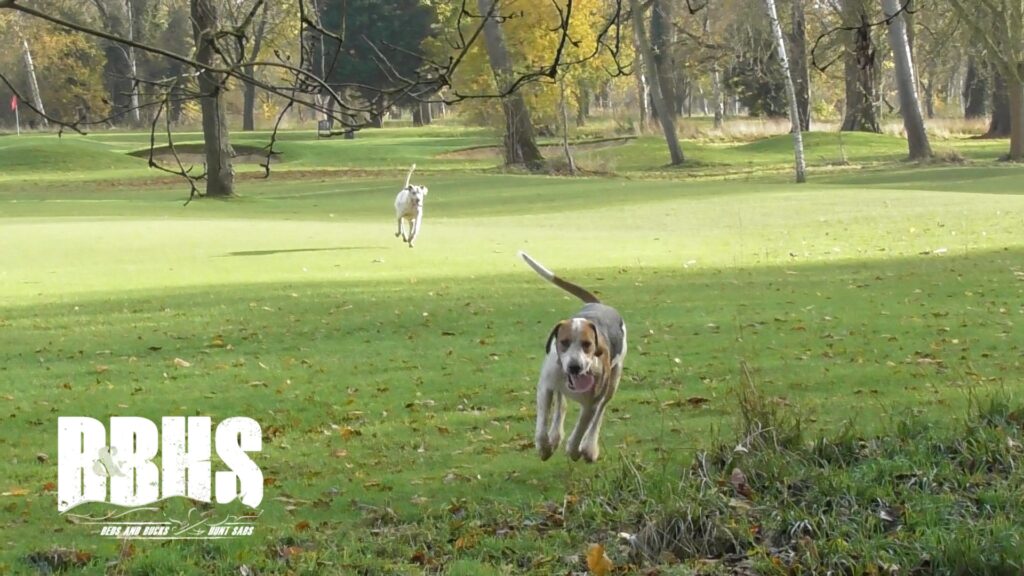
column 409, row 208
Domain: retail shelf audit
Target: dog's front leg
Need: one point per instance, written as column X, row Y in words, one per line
column 545, row 394
column 399, row 232
column 415, row 226
column 589, row 448
column 557, row 427
column 572, row 446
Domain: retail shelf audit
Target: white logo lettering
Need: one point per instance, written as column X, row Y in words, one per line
column 85, row 461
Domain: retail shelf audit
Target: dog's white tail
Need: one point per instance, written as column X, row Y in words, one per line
column 409, row 177
column 577, row 291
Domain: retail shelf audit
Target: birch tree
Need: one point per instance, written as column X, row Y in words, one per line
column 794, row 113
column 798, row 65
column 30, row 72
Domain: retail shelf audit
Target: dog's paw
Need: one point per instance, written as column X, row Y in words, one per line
column 590, row 454
column 554, row 440
column 544, row 449
column 573, row 453
column 397, row 234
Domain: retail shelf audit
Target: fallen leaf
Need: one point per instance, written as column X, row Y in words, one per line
column 739, row 483
column 302, row 526
column 42, row 458
column 597, row 561
column 421, row 558
column 348, row 432
column 180, row 363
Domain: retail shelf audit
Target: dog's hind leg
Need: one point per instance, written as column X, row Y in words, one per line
column 399, row 232
column 589, row 448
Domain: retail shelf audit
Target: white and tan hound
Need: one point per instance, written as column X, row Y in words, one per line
column 584, row 363
column 409, row 208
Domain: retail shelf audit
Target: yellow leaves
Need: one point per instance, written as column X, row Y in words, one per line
column 598, row 562
column 532, row 36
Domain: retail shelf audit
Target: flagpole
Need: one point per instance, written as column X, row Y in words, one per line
column 17, row 119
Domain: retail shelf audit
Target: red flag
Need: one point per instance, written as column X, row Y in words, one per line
column 14, row 102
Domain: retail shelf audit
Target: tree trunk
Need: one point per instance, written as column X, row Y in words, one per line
column 929, row 99
column 665, row 117
column 642, row 89
column 1015, row 86
column 794, row 112
column 33, row 84
column 661, row 46
column 570, row 162
column 859, row 65
column 999, row 126
column 975, row 93
column 910, row 106
column 249, row 92
column 583, row 104
column 133, row 67
column 520, row 142
column 248, row 102
column 220, row 175
column 798, row 65
column 717, row 102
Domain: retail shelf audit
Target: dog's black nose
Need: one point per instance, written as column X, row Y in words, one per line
column 575, row 369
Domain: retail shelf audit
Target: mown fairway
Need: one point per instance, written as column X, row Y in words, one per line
column 395, row 387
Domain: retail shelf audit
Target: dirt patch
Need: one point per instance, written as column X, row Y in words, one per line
column 485, row 152
column 193, row 159
column 194, row 155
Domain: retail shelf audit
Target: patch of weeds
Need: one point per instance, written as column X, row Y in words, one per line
column 917, row 500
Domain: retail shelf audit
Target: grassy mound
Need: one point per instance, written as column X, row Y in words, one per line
column 49, row 155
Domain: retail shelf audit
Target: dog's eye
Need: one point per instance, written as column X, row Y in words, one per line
column 565, row 343
column 586, row 345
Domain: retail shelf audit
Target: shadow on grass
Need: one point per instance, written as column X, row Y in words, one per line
column 289, row 250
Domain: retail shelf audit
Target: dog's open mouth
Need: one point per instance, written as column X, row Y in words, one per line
column 581, row 382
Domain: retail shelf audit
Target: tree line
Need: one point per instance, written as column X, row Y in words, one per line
column 523, row 66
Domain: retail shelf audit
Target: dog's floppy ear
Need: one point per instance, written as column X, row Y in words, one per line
column 598, row 345
column 552, row 336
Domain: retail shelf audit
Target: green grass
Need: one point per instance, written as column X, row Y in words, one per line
column 395, row 386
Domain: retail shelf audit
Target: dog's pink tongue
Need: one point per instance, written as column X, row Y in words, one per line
column 582, row 382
